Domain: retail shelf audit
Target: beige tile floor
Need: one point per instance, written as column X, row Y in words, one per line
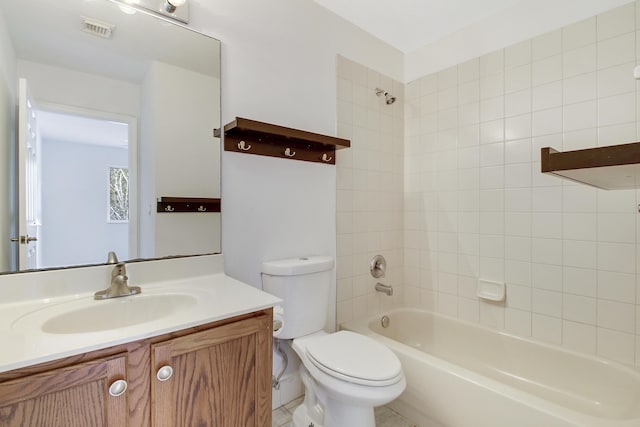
column 385, row 417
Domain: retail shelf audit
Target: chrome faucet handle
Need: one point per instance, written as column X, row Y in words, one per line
column 378, row 266
column 119, row 270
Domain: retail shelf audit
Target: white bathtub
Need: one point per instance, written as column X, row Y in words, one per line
column 461, row 374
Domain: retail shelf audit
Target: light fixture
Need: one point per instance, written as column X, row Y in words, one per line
column 174, row 9
column 171, row 5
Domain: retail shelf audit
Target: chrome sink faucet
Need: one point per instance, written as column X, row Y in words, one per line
column 119, row 286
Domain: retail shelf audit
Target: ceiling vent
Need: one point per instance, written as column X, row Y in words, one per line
column 97, row 28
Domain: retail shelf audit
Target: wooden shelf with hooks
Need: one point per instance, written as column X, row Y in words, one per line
column 188, row 204
column 265, row 139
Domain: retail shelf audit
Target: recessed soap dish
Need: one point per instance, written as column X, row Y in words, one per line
column 492, row 291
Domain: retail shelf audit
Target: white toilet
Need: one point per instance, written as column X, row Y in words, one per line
column 345, row 374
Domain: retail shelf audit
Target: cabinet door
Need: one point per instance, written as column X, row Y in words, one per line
column 221, row 377
column 74, row 396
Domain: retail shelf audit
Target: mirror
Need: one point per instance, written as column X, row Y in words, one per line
column 104, row 109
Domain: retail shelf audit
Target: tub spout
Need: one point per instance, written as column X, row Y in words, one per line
column 384, row 288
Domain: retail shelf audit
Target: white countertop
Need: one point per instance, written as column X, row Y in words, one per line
column 218, row 297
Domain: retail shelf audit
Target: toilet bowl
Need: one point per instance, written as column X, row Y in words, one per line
column 345, row 374
column 350, row 374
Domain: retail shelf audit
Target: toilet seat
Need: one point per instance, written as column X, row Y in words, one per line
column 354, row 358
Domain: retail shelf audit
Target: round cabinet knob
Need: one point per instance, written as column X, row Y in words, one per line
column 117, row 388
column 164, row 373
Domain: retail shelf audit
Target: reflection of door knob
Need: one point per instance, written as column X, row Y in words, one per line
column 24, row 240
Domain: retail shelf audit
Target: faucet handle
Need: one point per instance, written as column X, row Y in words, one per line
column 378, row 266
column 112, row 258
column 119, row 270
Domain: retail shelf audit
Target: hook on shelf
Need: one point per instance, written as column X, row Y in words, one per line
column 289, row 153
column 168, row 204
column 244, row 146
column 326, row 158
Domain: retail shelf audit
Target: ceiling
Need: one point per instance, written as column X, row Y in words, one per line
column 411, row 24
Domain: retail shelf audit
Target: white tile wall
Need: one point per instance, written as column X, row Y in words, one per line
column 370, row 179
column 445, row 183
column 476, row 205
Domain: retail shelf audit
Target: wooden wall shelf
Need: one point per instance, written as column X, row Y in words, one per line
column 265, row 139
column 615, row 167
column 188, row 204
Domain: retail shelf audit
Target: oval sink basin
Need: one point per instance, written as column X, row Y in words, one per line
column 95, row 316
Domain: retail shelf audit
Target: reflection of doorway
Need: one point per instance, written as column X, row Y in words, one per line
column 79, row 152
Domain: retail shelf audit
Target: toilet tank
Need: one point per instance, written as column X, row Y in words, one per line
column 303, row 284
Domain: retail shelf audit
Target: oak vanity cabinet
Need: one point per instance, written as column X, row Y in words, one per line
column 215, row 375
column 213, row 378
column 73, row 396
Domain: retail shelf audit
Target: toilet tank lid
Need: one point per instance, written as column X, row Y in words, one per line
column 297, row 266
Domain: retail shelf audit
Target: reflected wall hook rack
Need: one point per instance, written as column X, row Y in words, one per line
column 188, row 204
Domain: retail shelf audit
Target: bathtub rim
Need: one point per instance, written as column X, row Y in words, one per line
column 549, row 407
column 364, row 322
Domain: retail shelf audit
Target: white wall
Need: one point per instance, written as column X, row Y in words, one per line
column 68, row 87
column 74, row 229
column 8, row 85
column 477, row 205
column 278, row 58
column 147, row 164
column 177, row 154
column 278, row 66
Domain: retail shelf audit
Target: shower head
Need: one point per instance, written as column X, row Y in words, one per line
column 389, row 99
